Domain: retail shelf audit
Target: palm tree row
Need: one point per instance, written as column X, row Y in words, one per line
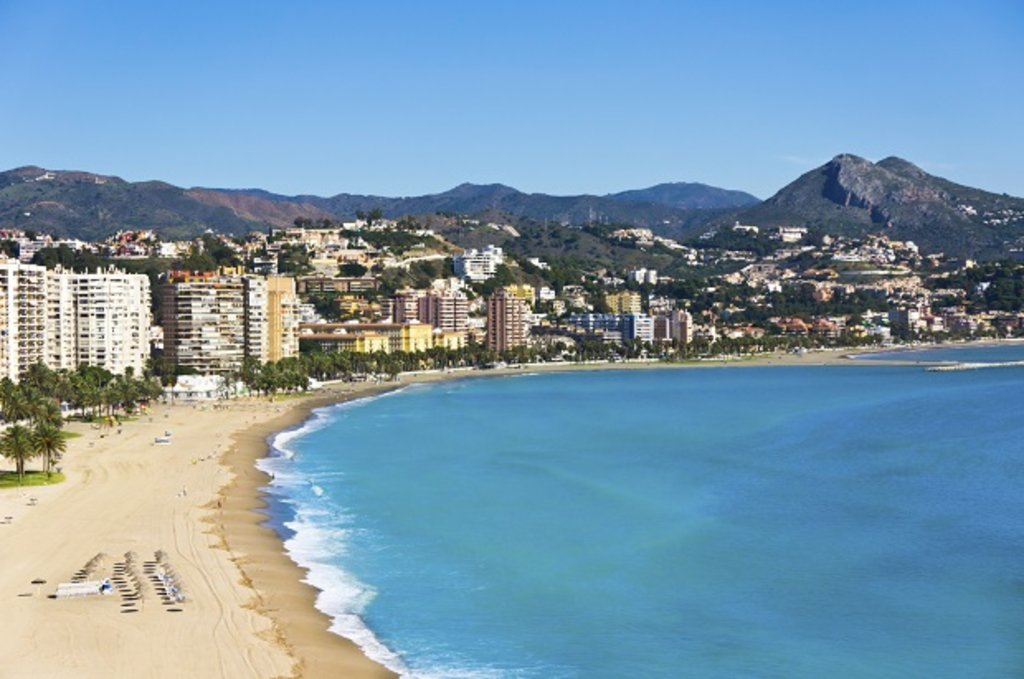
column 32, row 407
column 91, row 390
column 293, row 373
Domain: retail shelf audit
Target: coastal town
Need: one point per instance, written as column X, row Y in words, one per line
column 375, row 340
column 272, row 310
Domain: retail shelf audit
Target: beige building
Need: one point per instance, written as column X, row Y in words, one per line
column 680, row 326
column 405, row 306
column 506, row 321
column 213, row 322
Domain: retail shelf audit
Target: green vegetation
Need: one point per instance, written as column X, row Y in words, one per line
column 352, row 270
column 992, row 286
column 416, row 275
column 760, row 244
column 294, row 259
column 11, row 480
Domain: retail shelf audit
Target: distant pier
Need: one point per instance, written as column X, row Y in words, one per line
column 956, row 367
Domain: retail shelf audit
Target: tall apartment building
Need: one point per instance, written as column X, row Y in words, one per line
column 112, row 320
column 64, row 319
column 405, row 306
column 22, row 318
column 212, row 322
column 445, row 310
column 680, row 326
column 61, row 333
column 204, row 322
column 255, row 318
column 282, row 318
column 506, row 321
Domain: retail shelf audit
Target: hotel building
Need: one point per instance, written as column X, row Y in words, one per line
column 368, row 337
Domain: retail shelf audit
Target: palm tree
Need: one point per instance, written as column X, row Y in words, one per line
column 15, row 400
column 49, row 443
column 43, row 410
column 18, row 444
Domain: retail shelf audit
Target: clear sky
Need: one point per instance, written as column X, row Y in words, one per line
column 404, row 98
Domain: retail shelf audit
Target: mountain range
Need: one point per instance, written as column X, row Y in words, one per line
column 87, row 205
column 847, row 195
column 850, row 195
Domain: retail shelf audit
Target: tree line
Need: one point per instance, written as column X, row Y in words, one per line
column 32, row 407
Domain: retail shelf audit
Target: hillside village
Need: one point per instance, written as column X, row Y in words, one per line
column 224, row 305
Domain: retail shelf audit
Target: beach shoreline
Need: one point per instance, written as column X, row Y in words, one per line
column 278, row 582
column 248, row 612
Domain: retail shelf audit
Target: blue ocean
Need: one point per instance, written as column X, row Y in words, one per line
column 852, row 521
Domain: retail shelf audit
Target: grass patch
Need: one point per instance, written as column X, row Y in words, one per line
column 10, row 479
column 68, row 435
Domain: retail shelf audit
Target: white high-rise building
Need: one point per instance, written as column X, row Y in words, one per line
column 22, row 317
column 257, row 339
column 61, row 336
column 112, row 319
column 64, row 319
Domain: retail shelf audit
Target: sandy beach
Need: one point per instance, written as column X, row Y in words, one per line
column 246, row 611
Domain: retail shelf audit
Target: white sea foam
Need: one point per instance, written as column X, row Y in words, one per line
column 343, row 597
column 319, row 535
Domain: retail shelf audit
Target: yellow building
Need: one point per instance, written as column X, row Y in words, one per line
column 624, row 302
column 417, row 337
column 369, row 337
column 370, row 343
column 282, row 317
column 450, row 339
column 522, row 291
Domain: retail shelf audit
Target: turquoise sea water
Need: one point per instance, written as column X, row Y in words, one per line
column 746, row 522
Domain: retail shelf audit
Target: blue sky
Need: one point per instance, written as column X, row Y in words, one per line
column 404, row 98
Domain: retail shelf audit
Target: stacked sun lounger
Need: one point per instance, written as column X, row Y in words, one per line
column 167, row 581
column 68, row 590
